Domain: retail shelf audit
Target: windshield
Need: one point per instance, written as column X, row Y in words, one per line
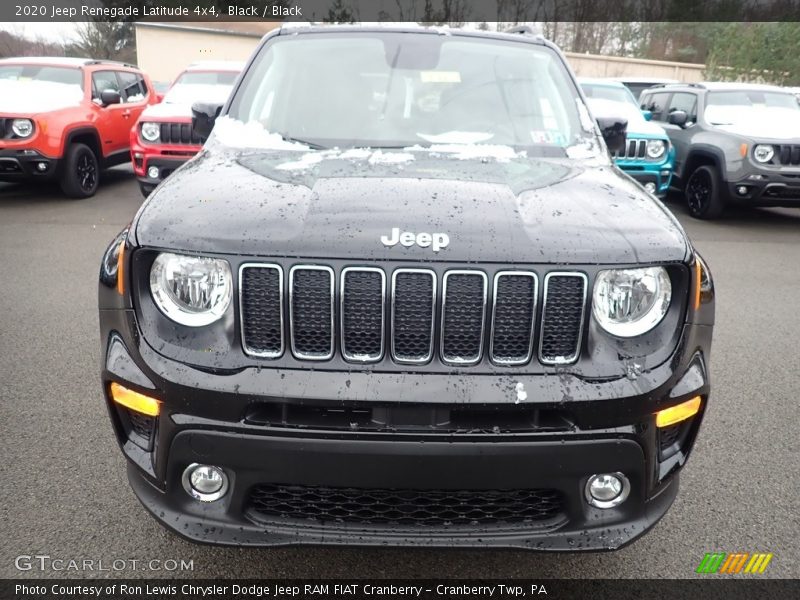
column 63, row 75
column 742, row 106
column 606, row 92
column 208, row 86
column 382, row 89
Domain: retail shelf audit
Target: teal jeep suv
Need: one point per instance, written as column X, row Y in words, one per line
column 648, row 156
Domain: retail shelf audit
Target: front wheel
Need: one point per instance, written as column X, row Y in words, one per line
column 704, row 195
column 81, row 172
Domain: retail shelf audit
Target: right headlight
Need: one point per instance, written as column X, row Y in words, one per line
column 151, row 131
column 630, row 302
column 191, row 290
column 656, row 148
column 22, row 127
column 763, row 153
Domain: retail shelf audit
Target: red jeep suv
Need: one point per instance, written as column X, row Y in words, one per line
column 65, row 119
column 163, row 139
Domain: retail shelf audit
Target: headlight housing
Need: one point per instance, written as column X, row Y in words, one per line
column 151, row 132
column 763, row 153
column 22, row 127
column 630, row 302
column 656, row 148
column 191, row 290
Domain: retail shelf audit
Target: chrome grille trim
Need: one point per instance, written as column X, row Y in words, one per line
column 355, row 357
column 470, row 360
column 247, row 349
column 529, row 355
column 429, row 356
column 563, row 360
column 295, row 352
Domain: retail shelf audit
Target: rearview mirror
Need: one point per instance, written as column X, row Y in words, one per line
column 203, row 117
column 614, row 131
column 677, row 117
column 109, row 97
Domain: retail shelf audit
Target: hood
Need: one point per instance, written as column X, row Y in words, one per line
column 312, row 204
column 756, row 122
column 638, row 126
column 31, row 96
column 647, row 129
column 164, row 111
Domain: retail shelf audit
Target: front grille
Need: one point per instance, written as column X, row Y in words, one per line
column 179, row 133
column 421, row 323
column 788, row 154
column 634, row 149
column 562, row 319
column 410, row 508
column 463, row 314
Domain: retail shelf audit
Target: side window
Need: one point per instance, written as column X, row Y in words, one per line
column 133, row 89
column 687, row 103
column 656, row 104
column 104, row 80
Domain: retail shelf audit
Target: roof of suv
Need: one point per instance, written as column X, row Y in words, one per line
column 721, row 86
column 61, row 61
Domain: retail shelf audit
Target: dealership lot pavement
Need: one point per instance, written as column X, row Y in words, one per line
column 65, row 494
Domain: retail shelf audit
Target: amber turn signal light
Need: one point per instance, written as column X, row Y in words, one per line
column 135, row 401
column 679, row 412
column 121, row 269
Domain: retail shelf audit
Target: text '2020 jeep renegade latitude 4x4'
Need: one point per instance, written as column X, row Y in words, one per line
column 403, row 296
column 65, row 119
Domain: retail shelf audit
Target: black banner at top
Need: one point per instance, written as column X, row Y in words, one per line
column 426, row 11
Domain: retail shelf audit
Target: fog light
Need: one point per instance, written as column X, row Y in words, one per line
column 607, row 490
column 205, row 482
column 650, row 187
column 741, row 190
column 41, row 167
column 152, row 172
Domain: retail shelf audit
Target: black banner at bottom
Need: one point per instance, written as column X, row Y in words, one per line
column 712, row 587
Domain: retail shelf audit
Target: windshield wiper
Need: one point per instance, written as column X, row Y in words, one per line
column 312, row 145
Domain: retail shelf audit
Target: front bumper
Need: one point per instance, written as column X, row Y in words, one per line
column 164, row 157
column 659, row 174
column 766, row 188
column 20, row 164
column 206, row 418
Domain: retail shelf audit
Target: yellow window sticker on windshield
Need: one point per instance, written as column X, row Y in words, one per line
column 440, row 76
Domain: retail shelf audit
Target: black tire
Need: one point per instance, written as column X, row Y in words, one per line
column 146, row 188
column 80, row 172
column 704, row 193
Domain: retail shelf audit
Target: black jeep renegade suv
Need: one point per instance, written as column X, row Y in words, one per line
column 403, row 296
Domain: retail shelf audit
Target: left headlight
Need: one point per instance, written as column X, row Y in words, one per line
column 151, row 131
column 22, row 127
column 630, row 302
column 191, row 290
column 656, row 148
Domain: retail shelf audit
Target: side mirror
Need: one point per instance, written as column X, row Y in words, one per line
column 677, row 117
column 614, row 130
column 109, row 97
column 647, row 114
column 203, row 117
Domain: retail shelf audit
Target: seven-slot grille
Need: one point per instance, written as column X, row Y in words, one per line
column 378, row 313
column 179, row 133
column 788, row 154
column 633, row 149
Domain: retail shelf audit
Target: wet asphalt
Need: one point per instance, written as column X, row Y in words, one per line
column 64, row 488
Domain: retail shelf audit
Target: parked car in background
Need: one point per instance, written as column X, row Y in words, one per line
column 403, row 297
column 66, row 119
column 162, row 139
column 647, row 155
column 638, row 84
column 735, row 143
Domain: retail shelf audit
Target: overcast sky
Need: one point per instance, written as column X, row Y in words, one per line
column 51, row 32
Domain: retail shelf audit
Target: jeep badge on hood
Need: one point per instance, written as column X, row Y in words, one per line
column 436, row 241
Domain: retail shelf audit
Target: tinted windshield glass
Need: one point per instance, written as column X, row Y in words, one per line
column 605, row 92
column 62, row 75
column 399, row 89
column 207, row 86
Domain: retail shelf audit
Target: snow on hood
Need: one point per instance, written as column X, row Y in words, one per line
column 756, row 121
column 234, row 133
column 165, row 111
column 31, row 96
column 637, row 124
column 189, row 93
